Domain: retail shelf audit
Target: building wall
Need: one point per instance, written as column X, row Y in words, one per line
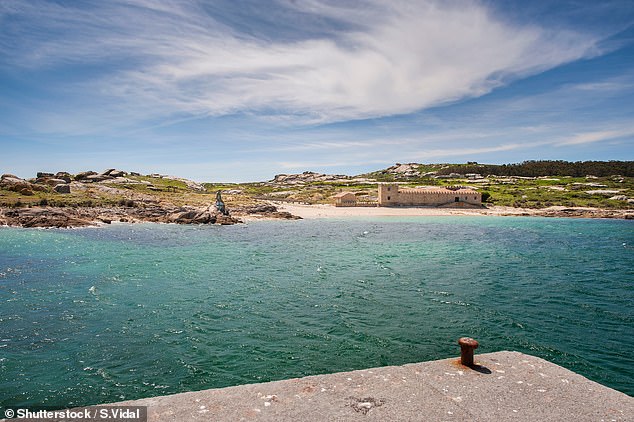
column 346, row 200
column 391, row 195
column 388, row 194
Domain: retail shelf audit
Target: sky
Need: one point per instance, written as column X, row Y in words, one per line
column 242, row 90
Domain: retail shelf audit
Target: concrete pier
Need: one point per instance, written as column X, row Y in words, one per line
column 503, row 386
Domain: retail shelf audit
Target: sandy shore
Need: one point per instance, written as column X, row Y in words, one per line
column 330, row 211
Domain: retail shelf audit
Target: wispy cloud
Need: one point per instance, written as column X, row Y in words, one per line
column 163, row 58
column 303, row 165
column 244, row 89
column 596, row 136
column 433, row 154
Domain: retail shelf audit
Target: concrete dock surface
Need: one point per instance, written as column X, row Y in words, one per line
column 504, row 386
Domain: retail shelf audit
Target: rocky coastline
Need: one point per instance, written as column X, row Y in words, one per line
column 68, row 217
column 64, row 200
column 563, row 212
column 94, row 193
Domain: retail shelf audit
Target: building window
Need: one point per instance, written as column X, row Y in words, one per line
column 388, row 198
column 457, row 199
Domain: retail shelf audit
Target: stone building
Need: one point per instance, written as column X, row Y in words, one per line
column 390, row 195
column 345, row 199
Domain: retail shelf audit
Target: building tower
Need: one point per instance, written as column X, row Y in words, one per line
column 388, row 194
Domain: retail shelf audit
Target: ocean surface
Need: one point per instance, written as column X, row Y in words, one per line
column 98, row 315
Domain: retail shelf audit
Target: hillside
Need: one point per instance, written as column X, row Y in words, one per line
column 611, row 191
column 115, row 195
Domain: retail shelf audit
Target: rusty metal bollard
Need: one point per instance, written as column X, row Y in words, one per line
column 467, row 346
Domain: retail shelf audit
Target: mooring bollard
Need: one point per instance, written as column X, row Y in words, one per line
column 467, row 346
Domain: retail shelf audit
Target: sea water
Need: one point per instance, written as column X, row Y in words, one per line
column 97, row 315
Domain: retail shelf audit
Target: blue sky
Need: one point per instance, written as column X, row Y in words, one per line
column 223, row 90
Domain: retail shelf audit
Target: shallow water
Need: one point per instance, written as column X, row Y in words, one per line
column 129, row 311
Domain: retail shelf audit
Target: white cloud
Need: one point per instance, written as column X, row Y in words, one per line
column 386, row 58
column 596, row 136
column 458, row 152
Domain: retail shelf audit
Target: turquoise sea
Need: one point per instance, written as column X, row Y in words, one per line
column 97, row 315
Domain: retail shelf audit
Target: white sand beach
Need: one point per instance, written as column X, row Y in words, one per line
column 330, row 211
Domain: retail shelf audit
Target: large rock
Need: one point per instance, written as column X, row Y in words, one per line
column 10, row 181
column 55, row 182
column 114, row 173
column 265, row 211
column 15, row 184
column 194, row 217
column 226, row 220
column 45, row 217
column 260, row 209
column 200, row 216
column 83, row 175
column 65, row 176
column 118, row 173
column 184, row 217
column 62, row 188
column 97, row 178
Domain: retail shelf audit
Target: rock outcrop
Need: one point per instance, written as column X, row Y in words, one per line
column 585, row 213
column 404, row 170
column 88, row 216
column 84, row 175
column 45, row 217
column 62, row 188
column 114, row 173
column 65, row 176
column 210, row 215
column 265, row 211
column 16, row 184
column 133, row 205
column 306, row 177
column 53, row 182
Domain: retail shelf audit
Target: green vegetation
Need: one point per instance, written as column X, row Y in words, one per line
column 568, row 191
column 545, row 168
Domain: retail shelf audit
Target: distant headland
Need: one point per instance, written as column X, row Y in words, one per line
column 599, row 189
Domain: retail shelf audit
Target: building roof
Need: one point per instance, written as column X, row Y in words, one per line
column 440, row 190
column 342, row 194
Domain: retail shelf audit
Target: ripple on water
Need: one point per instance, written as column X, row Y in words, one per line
column 92, row 316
